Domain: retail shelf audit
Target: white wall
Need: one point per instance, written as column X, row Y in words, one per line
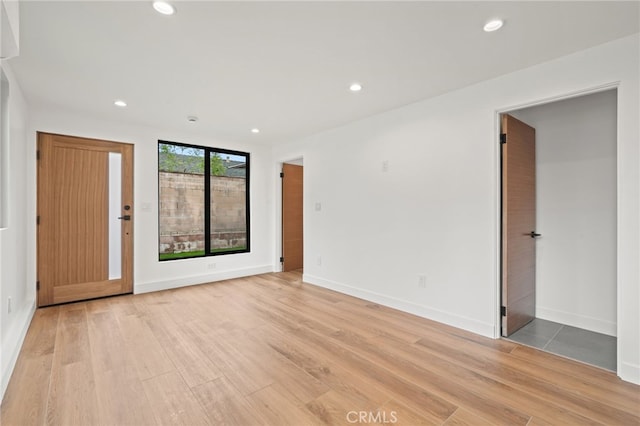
column 149, row 273
column 16, row 251
column 576, row 210
column 9, row 28
column 435, row 211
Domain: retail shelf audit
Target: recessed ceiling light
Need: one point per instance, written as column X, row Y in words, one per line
column 120, row 103
column 493, row 25
column 164, row 7
column 355, row 87
column 255, row 130
column 192, row 119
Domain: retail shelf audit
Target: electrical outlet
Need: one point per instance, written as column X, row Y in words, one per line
column 9, row 305
column 385, row 166
column 318, row 207
column 422, row 281
column 211, row 266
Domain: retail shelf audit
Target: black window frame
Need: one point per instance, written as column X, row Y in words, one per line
column 208, row 151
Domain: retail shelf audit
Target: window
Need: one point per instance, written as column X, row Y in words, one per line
column 203, row 201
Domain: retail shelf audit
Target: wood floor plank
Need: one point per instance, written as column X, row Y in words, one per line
column 72, row 339
column 108, row 347
column 327, row 370
column 273, row 350
column 423, row 400
column 120, row 395
column 143, row 349
column 99, row 305
column 614, row 394
column 122, row 400
column 189, row 359
column 236, row 365
column 72, row 392
column 279, row 407
column 396, row 413
column 475, row 381
column 596, row 381
column 338, row 407
column 298, row 382
column 41, row 336
column 225, row 405
column 464, row 417
column 72, row 395
column 173, row 402
column 25, row 402
column 545, row 389
column 536, row 421
column 440, row 385
column 422, row 326
column 330, row 315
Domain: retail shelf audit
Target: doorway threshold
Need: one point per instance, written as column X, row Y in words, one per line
column 597, row 349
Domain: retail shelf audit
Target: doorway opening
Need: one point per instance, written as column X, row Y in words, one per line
column 575, row 254
column 292, row 177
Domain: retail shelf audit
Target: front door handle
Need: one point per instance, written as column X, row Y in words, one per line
column 533, row 234
column 125, row 217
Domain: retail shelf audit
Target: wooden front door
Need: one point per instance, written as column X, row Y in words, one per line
column 292, row 238
column 85, row 218
column 518, row 224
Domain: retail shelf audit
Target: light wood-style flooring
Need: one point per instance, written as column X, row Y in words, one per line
column 270, row 350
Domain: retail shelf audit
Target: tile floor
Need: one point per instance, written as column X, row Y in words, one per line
column 582, row 345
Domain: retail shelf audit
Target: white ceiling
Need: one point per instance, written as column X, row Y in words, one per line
column 285, row 67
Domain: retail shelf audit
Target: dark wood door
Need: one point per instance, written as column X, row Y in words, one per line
column 292, row 234
column 85, row 212
column 518, row 224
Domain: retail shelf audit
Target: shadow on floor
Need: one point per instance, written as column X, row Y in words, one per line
column 582, row 345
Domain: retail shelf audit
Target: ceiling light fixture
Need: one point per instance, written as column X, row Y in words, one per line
column 255, row 130
column 493, row 25
column 355, row 87
column 120, row 103
column 164, row 7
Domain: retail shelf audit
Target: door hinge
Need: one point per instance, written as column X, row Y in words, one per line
column 503, row 138
column 37, row 154
column 37, row 220
column 503, row 311
column 37, row 285
column 281, row 259
column 281, row 174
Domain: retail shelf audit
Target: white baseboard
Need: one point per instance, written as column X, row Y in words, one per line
column 469, row 324
column 200, row 279
column 629, row 372
column 12, row 344
column 588, row 323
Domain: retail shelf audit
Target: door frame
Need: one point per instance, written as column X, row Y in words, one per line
column 498, row 206
column 299, row 160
